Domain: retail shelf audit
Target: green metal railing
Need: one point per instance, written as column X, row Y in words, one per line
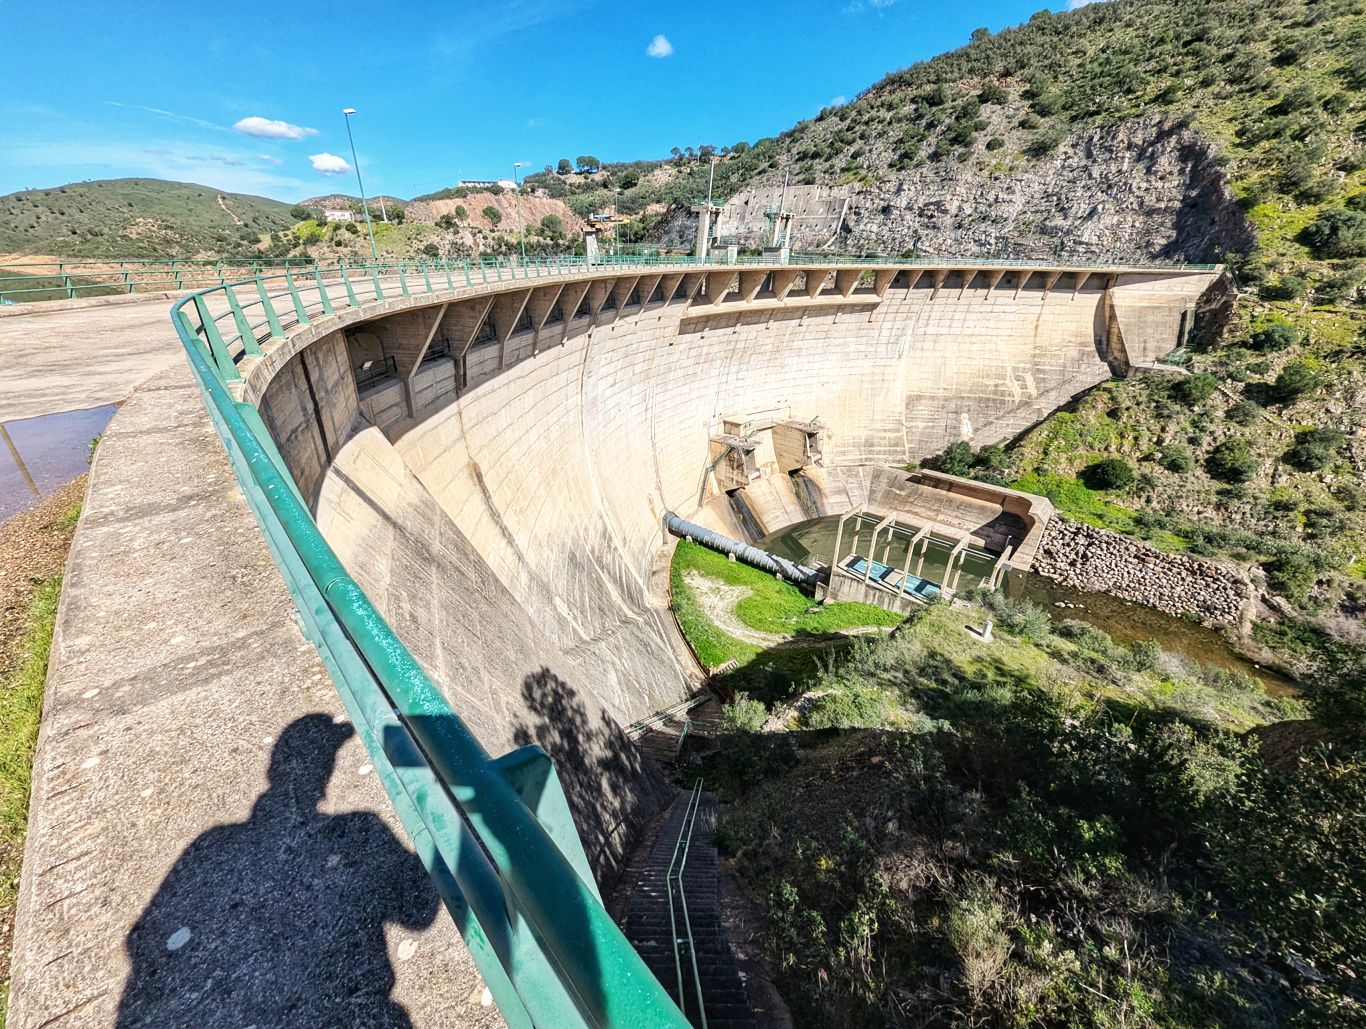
column 22, row 282
column 495, row 835
column 70, row 280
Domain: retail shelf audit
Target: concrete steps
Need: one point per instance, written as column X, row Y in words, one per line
column 647, row 924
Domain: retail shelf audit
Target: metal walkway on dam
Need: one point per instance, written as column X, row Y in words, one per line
column 241, row 670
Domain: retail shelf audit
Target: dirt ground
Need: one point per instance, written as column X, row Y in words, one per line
column 33, row 545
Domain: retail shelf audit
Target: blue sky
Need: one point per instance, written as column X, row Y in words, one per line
column 249, row 97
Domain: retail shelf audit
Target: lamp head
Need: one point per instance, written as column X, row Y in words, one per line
column 348, row 110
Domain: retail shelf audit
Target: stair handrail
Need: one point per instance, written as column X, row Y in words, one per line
column 675, row 876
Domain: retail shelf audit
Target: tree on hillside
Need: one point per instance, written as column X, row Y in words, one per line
column 493, row 215
column 564, row 167
column 1336, row 234
column 587, row 163
column 300, row 213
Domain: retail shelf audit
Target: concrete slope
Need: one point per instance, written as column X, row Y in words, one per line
column 504, row 677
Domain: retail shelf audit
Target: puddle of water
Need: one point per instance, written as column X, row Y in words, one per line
column 39, row 454
column 1127, row 622
column 814, row 540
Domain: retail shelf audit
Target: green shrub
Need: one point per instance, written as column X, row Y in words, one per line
column 1294, row 380
column 1195, row 389
column 1275, row 335
column 1315, row 449
column 1292, row 575
column 955, row 460
column 1336, row 234
column 743, row 715
column 993, row 93
column 1232, row 461
column 1244, row 413
column 1109, row 473
column 493, row 215
column 1177, row 457
column 1018, row 617
column 849, row 706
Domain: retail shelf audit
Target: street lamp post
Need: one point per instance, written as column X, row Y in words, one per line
column 517, row 199
column 365, row 206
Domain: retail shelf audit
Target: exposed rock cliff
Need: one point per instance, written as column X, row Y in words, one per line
column 1148, row 189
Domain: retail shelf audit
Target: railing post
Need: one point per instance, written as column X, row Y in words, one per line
column 67, row 284
column 249, row 344
column 374, row 277
column 426, row 276
column 129, row 287
column 299, row 311
column 222, row 358
column 175, row 276
column 322, row 290
column 272, row 319
column 350, row 292
column 402, row 280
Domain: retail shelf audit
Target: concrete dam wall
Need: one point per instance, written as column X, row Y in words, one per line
column 498, row 487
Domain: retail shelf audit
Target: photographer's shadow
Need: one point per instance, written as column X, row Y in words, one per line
column 279, row 920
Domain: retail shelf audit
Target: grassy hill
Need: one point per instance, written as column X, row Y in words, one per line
column 136, row 218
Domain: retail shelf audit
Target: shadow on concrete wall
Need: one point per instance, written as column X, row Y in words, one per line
column 279, row 920
column 613, row 790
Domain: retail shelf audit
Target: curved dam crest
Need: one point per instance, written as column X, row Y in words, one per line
column 501, row 504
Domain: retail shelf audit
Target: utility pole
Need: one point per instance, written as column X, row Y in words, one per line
column 365, row 206
column 517, row 199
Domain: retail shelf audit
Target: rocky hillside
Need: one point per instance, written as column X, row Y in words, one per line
column 136, row 218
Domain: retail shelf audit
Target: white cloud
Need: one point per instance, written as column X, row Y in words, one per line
column 269, row 160
column 1073, row 5
column 268, row 128
column 859, row 6
column 838, row 101
column 660, row 46
column 328, row 164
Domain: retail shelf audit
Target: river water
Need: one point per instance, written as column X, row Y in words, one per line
column 814, row 541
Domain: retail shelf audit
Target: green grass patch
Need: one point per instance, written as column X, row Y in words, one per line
column 21, row 709
column 767, row 674
column 773, row 605
column 1072, row 498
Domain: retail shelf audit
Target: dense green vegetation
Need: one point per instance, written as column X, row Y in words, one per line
column 1049, row 829
column 136, row 218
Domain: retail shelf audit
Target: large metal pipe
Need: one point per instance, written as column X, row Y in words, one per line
column 761, row 559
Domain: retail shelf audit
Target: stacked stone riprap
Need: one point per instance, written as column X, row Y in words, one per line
column 1099, row 561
